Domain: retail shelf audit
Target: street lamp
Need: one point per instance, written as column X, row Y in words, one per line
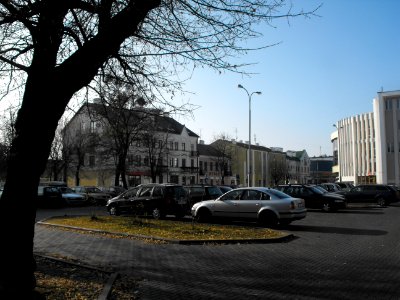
column 249, row 170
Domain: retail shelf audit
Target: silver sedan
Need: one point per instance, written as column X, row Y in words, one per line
column 266, row 205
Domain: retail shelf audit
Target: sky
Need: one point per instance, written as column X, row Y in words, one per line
column 324, row 69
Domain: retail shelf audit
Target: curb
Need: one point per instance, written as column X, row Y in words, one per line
column 286, row 238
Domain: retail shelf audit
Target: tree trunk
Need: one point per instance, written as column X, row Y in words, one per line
column 35, row 127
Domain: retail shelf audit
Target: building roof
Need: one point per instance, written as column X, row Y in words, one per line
column 163, row 121
column 207, row 150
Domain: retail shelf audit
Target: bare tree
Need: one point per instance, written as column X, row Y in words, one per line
column 53, row 49
column 123, row 118
column 222, row 143
column 155, row 142
column 278, row 169
column 7, row 128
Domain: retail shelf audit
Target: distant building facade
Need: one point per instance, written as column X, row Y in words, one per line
column 367, row 146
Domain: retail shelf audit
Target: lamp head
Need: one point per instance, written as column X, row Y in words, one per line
column 240, row 86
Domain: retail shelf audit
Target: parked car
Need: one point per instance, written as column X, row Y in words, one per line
column 155, row 199
column 380, row 194
column 49, row 197
column 113, row 191
column 92, row 194
column 225, row 188
column 71, row 197
column 197, row 193
column 314, row 197
column 267, row 206
column 330, row 187
column 345, row 186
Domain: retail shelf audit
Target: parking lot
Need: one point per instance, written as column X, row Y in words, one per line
column 349, row 254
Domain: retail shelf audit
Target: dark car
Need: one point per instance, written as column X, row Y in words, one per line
column 380, row 194
column 314, row 196
column 197, row 193
column 93, row 194
column 330, row 187
column 154, row 199
column 113, row 191
column 49, row 196
column 345, row 186
column 225, row 188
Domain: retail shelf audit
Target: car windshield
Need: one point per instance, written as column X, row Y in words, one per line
column 323, row 190
column 66, row 190
column 93, row 190
column 317, row 190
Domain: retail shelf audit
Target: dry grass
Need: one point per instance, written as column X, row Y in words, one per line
column 167, row 229
column 62, row 280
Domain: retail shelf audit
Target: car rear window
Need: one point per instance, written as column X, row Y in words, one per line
column 279, row 194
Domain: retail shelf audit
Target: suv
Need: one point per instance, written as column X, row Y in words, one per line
column 314, row 197
column 197, row 193
column 380, row 194
column 345, row 186
column 92, row 194
column 154, row 199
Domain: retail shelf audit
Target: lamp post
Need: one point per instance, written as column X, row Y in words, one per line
column 249, row 170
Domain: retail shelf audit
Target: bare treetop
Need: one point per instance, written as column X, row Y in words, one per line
column 174, row 37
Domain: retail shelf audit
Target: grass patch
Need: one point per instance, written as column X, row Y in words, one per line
column 167, row 229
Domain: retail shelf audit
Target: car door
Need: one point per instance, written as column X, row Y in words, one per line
column 127, row 199
column 250, row 204
column 356, row 194
column 227, row 205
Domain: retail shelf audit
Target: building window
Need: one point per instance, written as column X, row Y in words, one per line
column 92, row 161
column 171, row 162
column 388, row 104
column 183, row 146
column 192, row 162
column 171, row 145
column 138, row 160
column 130, row 159
column 211, row 166
column 176, row 146
column 183, row 163
column 205, row 166
column 160, row 144
column 175, row 162
column 398, row 103
column 390, row 147
column 92, row 127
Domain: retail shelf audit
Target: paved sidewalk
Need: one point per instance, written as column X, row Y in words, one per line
column 349, row 255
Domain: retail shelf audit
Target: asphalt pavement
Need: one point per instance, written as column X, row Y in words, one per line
column 349, row 254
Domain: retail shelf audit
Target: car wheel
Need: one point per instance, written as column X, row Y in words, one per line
column 157, row 213
column 114, row 211
column 203, row 215
column 268, row 218
column 381, row 202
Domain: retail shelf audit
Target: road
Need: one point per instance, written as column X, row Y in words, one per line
column 350, row 254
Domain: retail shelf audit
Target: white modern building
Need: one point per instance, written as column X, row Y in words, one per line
column 367, row 146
